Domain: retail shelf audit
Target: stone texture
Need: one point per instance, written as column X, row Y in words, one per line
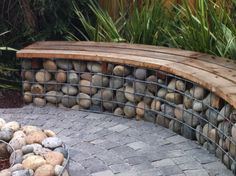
column 52, row 142
column 106, row 149
column 33, row 162
column 49, row 65
column 84, row 100
column 69, row 90
column 121, row 70
column 86, row 87
column 54, row 158
column 45, row 170
column 35, row 137
column 60, row 76
column 42, row 76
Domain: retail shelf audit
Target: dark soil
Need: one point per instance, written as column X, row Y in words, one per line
column 10, row 99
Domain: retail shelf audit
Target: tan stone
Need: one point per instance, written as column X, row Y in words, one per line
column 33, row 162
column 19, row 134
column 54, row 158
column 42, row 76
column 28, row 129
column 13, row 125
column 5, row 172
column 28, row 97
column 156, row 105
column 37, row 89
column 45, row 170
column 49, row 133
column 40, row 102
column 86, row 87
column 140, row 109
column 35, row 137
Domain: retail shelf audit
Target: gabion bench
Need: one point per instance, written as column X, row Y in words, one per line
column 191, row 93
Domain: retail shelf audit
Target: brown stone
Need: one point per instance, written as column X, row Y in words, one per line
column 86, row 76
column 50, row 65
column 54, row 158
column 35, row 137
column 140, row 109
column 60, row 76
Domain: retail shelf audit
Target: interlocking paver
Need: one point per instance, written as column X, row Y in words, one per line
column 103, row 173
column 118, row 168
column 164, row 162
column 105, row 145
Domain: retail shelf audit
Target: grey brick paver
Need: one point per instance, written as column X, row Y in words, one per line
column 105, row 145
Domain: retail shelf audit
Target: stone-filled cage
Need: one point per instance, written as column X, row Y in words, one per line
column 134, row 92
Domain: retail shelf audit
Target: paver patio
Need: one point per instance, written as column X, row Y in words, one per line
column 105, row 145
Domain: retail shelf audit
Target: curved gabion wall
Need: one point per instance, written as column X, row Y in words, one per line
column 148, row 94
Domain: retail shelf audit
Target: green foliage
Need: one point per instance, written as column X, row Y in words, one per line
column 147, row 25
column 105, row 28
column 210, row 28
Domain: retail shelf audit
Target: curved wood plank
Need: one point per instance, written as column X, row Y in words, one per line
column 218, row 75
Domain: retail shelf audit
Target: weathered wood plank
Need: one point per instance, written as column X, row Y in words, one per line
column 214, row 73
column 138, row 47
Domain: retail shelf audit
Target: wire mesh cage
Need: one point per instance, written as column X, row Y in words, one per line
column 130, row 92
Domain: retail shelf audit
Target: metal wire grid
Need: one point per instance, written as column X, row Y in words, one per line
column 161, row 82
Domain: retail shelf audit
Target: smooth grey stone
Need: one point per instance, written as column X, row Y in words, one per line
column 168, row 110
column 21, row 173
column 224, row 129
column 52, row 142
column 191, row 117
column 31, row 148
column 140, row 73
column 129, row 110
column 6, row 134
column 116, row 83
column 79, row 66
column 94, row 67
column 72, row 77
column 224, row 112
column 16, row 157
column 64, row 64
column 100, row 80
column 188, row 132
column 68, row 101
column 69, row 90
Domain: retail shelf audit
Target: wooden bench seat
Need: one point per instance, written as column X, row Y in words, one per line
column 214, row 73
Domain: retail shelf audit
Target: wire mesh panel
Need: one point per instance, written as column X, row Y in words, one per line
column 144, row 94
